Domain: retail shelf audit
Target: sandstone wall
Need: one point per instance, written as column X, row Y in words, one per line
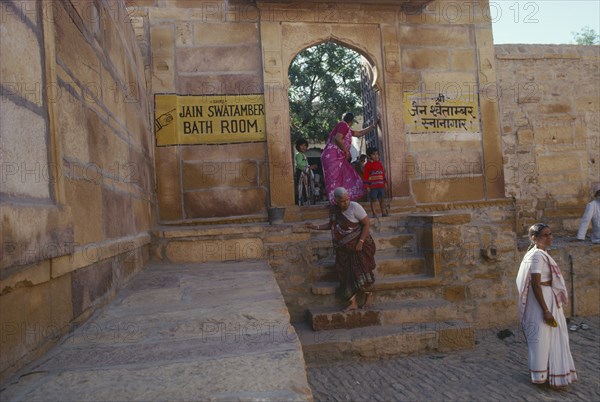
column 549, row 102
column 77, row 184
column 202, row 48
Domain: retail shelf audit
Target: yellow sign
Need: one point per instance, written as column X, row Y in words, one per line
column 209, row 119
column 437, row 114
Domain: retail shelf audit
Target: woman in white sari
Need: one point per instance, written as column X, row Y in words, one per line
column 542, row 293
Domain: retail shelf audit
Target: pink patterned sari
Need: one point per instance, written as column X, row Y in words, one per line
column 337, row 170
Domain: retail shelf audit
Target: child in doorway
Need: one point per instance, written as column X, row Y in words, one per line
column 304, row 174
column 374, row 179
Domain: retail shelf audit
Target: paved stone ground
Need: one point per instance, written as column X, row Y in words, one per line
column 177, row 332
column 496, row 370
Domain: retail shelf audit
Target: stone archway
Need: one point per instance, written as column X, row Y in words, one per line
column 281, row 42
column 327, row 80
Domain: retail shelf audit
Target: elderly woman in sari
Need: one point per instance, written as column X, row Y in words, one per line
column 542, row 292
column 354, row 248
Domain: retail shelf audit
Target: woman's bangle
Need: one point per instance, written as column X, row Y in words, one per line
column 361, row 240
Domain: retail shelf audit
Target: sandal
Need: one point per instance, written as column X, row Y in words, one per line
column 573, row 327
column 583, row 325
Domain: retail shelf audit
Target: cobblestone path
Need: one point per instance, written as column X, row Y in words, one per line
column 496, row 370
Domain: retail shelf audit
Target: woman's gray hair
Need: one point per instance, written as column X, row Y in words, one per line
column 535, row 231
column 339, row 192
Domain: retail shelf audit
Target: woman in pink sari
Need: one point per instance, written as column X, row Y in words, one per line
column 337, row 170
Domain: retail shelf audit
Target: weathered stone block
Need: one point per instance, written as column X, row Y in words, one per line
column 224, row 152
column 525, row 136
column 433, row 190
column 33, row 316
column 85, row 198
column 21, row 66
column 220, row 84
column 116, row 213
column 25, row 165
column 550, row 164
column 419, row 59
column 184, row 33
column 454, row 293
column 73, row 127
column 74, row 51
column 418, row 35
column 90, row 283
column 167, row 183
column 205, row 59
column 108, row 152
column 223, row 35
column 162, row 41
column 181, row 251
column 353, row 319
column 29, row 276
column 461, row 60
column 456, row 337
column 219, row 202
column 206, row 175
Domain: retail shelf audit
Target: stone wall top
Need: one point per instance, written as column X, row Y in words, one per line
column 528, row 52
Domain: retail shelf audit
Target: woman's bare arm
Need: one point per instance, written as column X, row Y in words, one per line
column 536, row 279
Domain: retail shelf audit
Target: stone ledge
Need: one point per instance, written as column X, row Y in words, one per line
column 384, row 341
column 339, row 319
column 443, row 219
column 95, row 252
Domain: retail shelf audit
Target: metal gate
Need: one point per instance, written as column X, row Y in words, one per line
column 369, row 100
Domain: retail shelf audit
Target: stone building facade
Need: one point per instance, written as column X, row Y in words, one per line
column 77, row 159
column 83, row 182
column 550, row 130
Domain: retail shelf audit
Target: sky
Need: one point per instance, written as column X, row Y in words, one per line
column 542, row 21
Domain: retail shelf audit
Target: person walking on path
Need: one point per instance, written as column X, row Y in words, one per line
column 354, row 248
column 542, row 293
column 337, row 169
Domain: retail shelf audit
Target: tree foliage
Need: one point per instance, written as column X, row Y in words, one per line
column 587, row 36
column 325, row 83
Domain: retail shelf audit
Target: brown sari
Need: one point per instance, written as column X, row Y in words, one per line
column 354, row 268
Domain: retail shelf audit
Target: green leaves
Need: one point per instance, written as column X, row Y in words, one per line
column 325, row 83
column 587, row 36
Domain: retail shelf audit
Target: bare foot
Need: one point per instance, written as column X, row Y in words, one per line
column 369, row 302
column 352, row 305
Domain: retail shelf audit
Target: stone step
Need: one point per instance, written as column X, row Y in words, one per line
column 403, row 243
column 386, row 267
column 217, row 243
column 394, row 223
column 386, row 341
column 394, row 241
column 405, row 281
column 391, row 313
column 318, row 212
column 382, row 283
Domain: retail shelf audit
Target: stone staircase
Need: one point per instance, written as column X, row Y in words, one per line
column 410, row 313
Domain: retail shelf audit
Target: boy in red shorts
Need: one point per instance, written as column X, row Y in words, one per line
column 374, row 179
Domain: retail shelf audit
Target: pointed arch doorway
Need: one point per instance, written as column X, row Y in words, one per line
column 281, row 43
